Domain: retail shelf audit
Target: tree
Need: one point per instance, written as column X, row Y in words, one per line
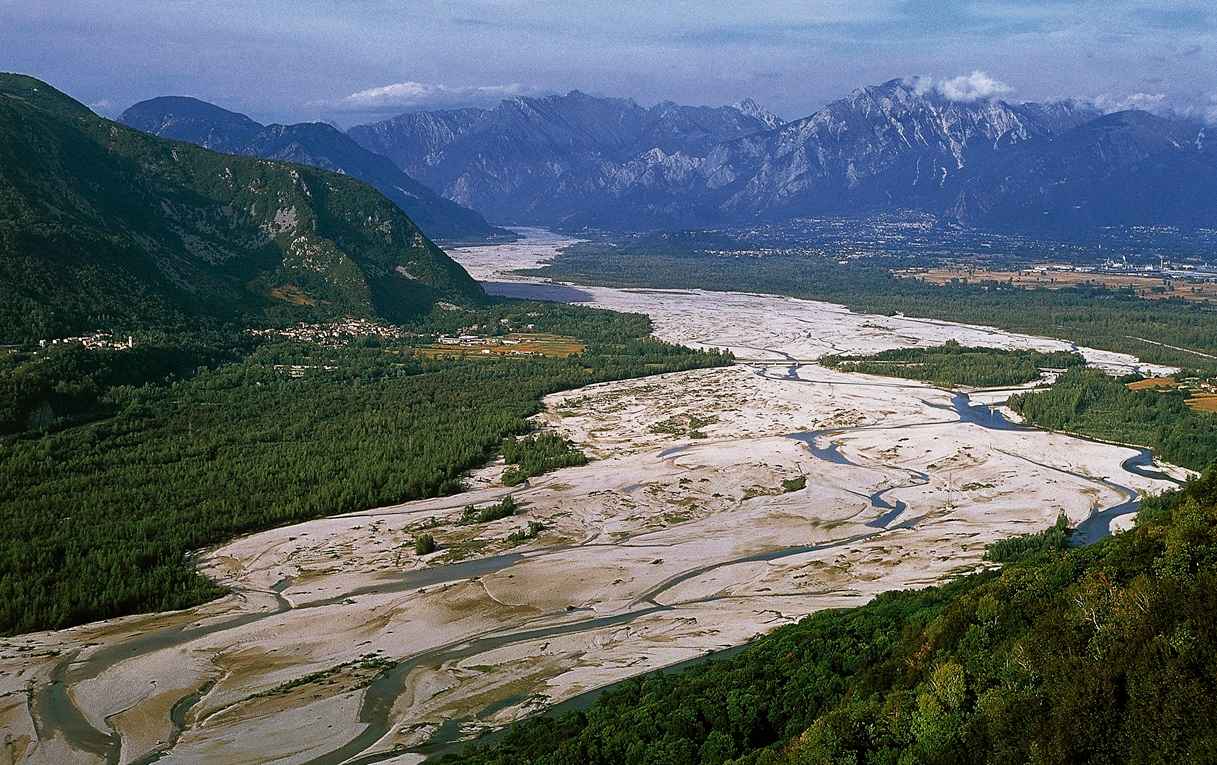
column 424, row 544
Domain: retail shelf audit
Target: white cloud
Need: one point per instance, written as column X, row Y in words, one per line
column 1200, row 107
column 1150, row 102
column 921, row 84
column 972, row 87
column 400, row 96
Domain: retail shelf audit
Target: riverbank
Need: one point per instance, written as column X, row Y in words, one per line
column 680, row 538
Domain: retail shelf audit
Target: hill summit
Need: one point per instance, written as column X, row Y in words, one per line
column 309, row 143
column 102, row 225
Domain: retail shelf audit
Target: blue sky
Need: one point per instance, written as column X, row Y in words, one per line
column 351, row 61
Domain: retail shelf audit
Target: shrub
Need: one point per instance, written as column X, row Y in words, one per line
column 424, row 544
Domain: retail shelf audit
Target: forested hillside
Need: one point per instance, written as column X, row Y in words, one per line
column 102, row 226
column 120, row 464
column 309, row 143
column 1091, row 403
column 1102, row 654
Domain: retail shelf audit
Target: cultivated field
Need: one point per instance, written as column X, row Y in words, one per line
column 514, row 344
column 1152, row 287
column 1153, row 383
column 1203, row 403
column 1200, row 401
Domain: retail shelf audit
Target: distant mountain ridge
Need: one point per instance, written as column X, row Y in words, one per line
column 751, row 108
column 547, row 159
column 885, row 146
column 578, row 160
column 1126, row 168
column 103, row 225
column 312, row 143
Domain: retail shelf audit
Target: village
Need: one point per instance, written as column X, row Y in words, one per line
column 333, row 334
column 93, row 341
column 503, row 339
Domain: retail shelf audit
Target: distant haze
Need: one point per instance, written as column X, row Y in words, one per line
column 349, row 62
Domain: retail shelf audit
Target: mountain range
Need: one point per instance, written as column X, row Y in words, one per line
column 577, row 160
column 559, row 158
column 312, row 143
column 103, row 225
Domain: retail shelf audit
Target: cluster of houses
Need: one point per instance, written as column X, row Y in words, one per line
column 335, row 333
column 298, row 370
column 478, row 335
column 95, row 340
column 476, row 340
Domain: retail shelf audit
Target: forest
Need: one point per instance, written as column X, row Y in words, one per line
column 536, row 454
column 1114, row 320
column 952, row 364
column 1100, row 654
column 71, row 385
column 1090, row 403
column 118, row 466
column 102, row 226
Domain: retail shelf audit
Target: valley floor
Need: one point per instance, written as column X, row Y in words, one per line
column 339, row 644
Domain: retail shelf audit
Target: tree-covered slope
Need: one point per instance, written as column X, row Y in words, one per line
column 1088, row 402
column 102, row 225
column 310, row 143
column 1103, row 654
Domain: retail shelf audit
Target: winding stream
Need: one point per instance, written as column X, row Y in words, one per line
column 56, row 713
column 385, row 690
column 1095, row 527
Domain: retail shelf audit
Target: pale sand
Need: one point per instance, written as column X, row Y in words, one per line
column 669, row 545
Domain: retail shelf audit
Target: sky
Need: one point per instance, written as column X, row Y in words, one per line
column 355, row 61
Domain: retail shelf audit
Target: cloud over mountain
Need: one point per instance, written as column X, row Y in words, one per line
column 400, row 96
column 966, row 88
column 1149, row 102
column 976, row 86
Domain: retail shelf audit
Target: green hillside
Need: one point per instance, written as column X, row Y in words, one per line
column 103, row 226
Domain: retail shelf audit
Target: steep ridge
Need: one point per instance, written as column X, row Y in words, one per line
column 884, row 146
column 1127, row 168
column 548, row 159
column 416, row 141
column 102, row 225
column 577, row 160
column 315, row 143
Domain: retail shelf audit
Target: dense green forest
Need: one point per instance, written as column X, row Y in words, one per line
column 536, row 454
column 1010, row 549
column 113, row 472
column 74, row 384
column 952, row 364
column 1102, row 654
column 1099, row 318
column 1088, row 402
column 102, row 226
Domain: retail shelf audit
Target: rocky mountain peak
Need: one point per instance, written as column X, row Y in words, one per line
column 903, row 144
column 751, row 108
